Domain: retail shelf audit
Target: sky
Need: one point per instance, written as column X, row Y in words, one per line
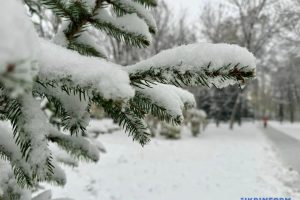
column 192, row 6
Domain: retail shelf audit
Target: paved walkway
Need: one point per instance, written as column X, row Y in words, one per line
column 287, row 147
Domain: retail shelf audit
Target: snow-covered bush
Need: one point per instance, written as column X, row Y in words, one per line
column 196, row 118
column 170, row 131
column 71, row 73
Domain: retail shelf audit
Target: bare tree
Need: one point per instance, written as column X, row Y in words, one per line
column 252, row 24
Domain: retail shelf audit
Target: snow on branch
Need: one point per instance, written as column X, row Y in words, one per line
column 30, row 130
column 10, row 151
column 85, row 44
column 77, row 146
column 62, row 156
column 8, row 184
column 129, row 118
column 167, row 102
column 22, row 168
column 128, row 6
column 147, row 2
column 132, row 27
column 73, row 110
column 58, row 64
column 196, row 64
column 129, row 28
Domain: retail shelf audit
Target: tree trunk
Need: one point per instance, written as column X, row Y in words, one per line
column 234, row 110
column 281, row 113
column 292, row 113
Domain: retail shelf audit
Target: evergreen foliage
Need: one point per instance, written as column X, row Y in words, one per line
column 69, row 98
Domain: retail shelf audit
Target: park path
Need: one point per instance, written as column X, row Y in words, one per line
column 287, row 147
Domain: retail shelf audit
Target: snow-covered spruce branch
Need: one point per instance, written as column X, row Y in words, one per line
column 128, row 118
column 80, row 15
column 135, row 34
column 30, row 128
column 22, row 169
column 146, row 106
column 9, row 151
column 196, row 64
column 32, row 159
column 86, row 49
column 128, row 7
column 95, row 79
column 9, row 188
column 63, row 157
column 166, row 102
column 8, row 184
column 81, row 73
column 72, row 107
column 77, row 146
column 150, row 3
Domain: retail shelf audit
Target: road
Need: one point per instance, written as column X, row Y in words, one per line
column 287, row 147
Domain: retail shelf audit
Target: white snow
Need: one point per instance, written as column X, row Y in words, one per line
column 62, row 156
column 33, row 126
column 218, row 164
column 172, row 98
column 74, row 106
column 129, row 23
column 140, row 10
column 7, row 182
column 197, row 58
column 107, row 78
column 77, row 144
column 9, row 148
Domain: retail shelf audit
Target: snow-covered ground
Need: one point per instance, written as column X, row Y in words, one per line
column 291, row 129
column 219, row 164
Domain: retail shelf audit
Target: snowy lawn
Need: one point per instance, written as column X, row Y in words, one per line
column 219, row 164
column 291, row 129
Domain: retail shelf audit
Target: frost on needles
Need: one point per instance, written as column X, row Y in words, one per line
column 71, row 73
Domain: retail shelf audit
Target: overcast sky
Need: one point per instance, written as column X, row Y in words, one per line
column 192, row 6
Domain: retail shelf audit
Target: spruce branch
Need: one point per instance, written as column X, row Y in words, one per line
column 59, row 7
column 26, row 136
column 131, row 119
column 121, row 35
column 20, row 168
column 149, row 3
column 145, row 105
column 80, row 17
column 77, row 146
column 127, row 7
column 85, row 49
column 203, row 76
column 72, row 120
